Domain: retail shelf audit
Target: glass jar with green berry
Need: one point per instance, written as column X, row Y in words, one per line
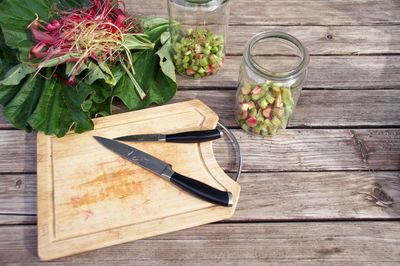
column 198, row 34
column 272, row 71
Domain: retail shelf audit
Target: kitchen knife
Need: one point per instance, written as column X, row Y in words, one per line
column 163, row 169
column 183, row 137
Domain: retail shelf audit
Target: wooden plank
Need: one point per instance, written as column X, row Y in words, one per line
column 281, row 12
column 327, row 72
column 14, row 219
column 324, row 195
column 290, row 150
column 264, row 196
column 314, row 150
column 237, row 244
column 18, row 151
column 326, row 40
column 316, row 108
column 17, row 194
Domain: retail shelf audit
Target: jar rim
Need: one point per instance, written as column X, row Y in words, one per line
column 295, row 71
column 199, row 3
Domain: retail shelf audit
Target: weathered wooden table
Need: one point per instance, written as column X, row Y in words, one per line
column 327, row 189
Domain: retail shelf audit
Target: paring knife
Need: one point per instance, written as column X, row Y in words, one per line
column 163, row 169
column 183, row 137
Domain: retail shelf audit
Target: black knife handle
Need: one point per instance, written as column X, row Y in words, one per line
column 194, row 136
column 202, row 190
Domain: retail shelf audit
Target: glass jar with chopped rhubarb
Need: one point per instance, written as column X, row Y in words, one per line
column 198, row 34
column 272, row 71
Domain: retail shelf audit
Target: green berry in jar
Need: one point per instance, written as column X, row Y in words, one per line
column 199, row 53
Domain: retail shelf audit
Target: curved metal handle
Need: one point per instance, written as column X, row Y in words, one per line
column 234, row 140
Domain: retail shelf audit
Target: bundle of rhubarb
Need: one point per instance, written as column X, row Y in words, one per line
column 62, row 62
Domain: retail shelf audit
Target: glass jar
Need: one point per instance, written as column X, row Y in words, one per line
column 272, row 71
column 198, row 30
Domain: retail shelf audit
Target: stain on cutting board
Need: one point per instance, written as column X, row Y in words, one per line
column 104, row 191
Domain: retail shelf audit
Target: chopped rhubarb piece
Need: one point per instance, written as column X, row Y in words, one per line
column 267, row 112
column 245, row 106
column 240, row 98
column 244, row 114
column 252, row 121
column 276, row 91
column 190, row 72
column 251, row 105
column 278, row 101
column 256, row 90
column 245, row 90
column 278, row 112
column 253, row 112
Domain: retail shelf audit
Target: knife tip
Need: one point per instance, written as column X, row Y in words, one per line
column 98, row 138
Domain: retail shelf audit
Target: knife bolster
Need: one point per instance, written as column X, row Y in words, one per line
column 167, row 172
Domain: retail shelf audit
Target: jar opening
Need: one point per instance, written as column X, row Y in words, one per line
column 199, row 3
column 276, row 55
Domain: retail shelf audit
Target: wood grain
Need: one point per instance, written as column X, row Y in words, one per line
column 291, row 150
column 233, row 244
column 264, row 197
column 326, row 40
column 18, row 151
column 18, row 194
column 316, row 108
column 281, row 12
column 324, row 72
column 315, row 150
column 318, row 195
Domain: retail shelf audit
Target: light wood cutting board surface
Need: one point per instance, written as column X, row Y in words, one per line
column 90, row 197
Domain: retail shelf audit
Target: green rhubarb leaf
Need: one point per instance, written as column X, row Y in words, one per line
column 103, row 108
column 16, row 74
column 8, row 56
column 7, row 93
column 99, row 71
column 154, row 27
column 99, row 90
column 69, row 4
column 59, row 109
column 150, row 77
column 15, row 16
column 166, row 63
column 55, row 61
column 137, row 42
column 22, row 105
column 154, row 70
column 70, row 68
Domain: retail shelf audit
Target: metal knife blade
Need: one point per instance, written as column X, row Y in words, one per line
column 163, row 169
column 142, row 138
column 134, row 155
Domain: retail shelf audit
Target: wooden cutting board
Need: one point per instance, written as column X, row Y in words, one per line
column 89, row 197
